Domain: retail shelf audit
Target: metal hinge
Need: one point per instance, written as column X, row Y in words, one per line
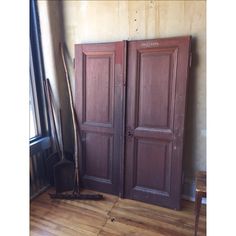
column 190, row 60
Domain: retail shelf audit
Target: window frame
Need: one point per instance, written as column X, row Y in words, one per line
column 37, row 74
column 34, row 102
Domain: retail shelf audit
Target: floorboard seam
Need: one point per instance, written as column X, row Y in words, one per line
column 108, row 213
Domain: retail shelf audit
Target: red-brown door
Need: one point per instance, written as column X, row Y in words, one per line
column 156, row 95
column 99, row 87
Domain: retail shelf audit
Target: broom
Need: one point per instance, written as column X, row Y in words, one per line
column 76, row 191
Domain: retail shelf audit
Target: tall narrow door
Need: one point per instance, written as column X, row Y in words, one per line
column 99, row 73
column 156, row 95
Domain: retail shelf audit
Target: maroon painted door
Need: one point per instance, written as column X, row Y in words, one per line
column 156, row 94
column 99, row 93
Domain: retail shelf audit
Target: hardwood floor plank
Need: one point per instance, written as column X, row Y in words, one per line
column 35, row 230
column 79, row 221
column 172, row 217
column 145, row 224
column 64, row 227
column 124, row 228
column 112, row 216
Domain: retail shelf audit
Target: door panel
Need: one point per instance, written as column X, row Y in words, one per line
column 156, row 94
column 155, row 90
column 98, row 152
column 99, row 97
column 152, row 175
column 99, row 84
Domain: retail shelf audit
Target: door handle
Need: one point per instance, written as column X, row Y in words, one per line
column 130, row 132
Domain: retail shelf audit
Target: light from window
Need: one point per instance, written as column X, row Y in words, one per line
column 33, row 105
column 33, row 127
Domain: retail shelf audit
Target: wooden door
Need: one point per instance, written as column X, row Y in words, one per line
column 156, row 95
column 99, row 93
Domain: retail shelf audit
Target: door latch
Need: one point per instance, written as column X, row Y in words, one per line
column 130, row 132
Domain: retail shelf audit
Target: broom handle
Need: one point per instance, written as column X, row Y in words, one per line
column 49, row 100
column 61, row 135
column 73, row 120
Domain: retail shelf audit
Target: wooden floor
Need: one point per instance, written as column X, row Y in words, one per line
column 112, row 216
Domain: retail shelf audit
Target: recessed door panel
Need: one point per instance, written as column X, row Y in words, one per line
column 99, row 92
column 157, row 75
column 156, row 94
column 151, row 165
column 99, row 84
column 98, row 152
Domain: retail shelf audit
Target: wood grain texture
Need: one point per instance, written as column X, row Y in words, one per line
column 157, row 78
column 99, row 79
column 111, row 216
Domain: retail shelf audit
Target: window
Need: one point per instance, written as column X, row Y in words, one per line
column 40, row 141
column 38, row 113
column 33, row 104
